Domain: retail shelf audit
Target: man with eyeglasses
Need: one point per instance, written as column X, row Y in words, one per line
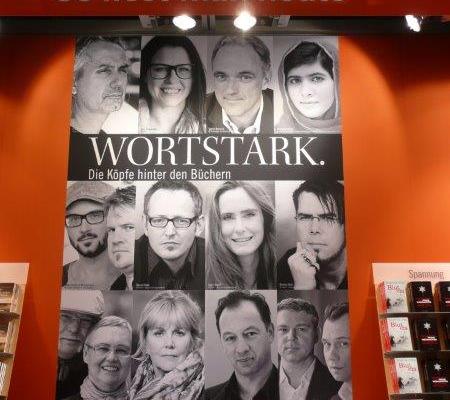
column 107, row 354
column 86, row 230
column 242, row 101
column 170, row 254
column 80, row 311
column 319, row 261
column 302, row 375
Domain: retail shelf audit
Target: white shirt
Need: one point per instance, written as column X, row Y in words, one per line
column 255, row 128
column 287, row 392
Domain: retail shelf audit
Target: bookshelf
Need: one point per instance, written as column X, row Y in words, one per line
column 398, row 324
column 10, row 317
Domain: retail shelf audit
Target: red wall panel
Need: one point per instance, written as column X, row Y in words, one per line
column 396, row 102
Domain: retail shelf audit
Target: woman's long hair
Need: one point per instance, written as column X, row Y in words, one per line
column 223, row 267
column 170, row 306
column 195, row 102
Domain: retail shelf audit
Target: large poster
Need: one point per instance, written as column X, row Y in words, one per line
column 205, row 251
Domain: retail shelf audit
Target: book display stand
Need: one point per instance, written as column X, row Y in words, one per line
column 13, row 278
column 413, row 303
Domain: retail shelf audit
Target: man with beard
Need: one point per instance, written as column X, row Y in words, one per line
column 320, row 259
column 246, row 333
column 86, row 229
column 302, row 375
column 119, row 214
column 100, row 80
column 80, row 311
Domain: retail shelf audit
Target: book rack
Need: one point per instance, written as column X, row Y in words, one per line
column 13, row 278
column 401, row 327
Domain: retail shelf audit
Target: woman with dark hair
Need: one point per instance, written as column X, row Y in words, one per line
column 308, row 78
column 169, row 350
column 240, row 250
column 172, row 87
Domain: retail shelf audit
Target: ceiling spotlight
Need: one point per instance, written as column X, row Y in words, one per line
column 244, row 21
column 414, row 23
column 184, row 22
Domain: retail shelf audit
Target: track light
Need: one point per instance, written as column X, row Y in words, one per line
column 414, row 23
column 244, row 21
column 184, row 22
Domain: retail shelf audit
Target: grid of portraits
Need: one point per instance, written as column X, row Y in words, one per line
column 204, row 288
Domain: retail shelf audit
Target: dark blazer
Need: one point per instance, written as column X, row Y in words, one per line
column 322, row 385
column 155, row 274
column 229, row 390
column 214, row 114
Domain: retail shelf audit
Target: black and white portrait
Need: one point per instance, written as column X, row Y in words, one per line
column 172, row 85
column 240, row 96
column 240, row 251
column 307, row 96
column 94, row 329
column 105, row 91
column 169, row 249
column 306, row 371
column 169, row 326
column 311, row 235
column 240, row 329
column 98, row 250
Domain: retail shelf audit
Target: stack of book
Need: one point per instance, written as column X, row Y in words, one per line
column 9, row 296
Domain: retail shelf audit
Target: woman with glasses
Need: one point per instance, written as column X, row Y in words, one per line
column 107, row 354
column 240, row 249
column 169, row 350
column 172, row 87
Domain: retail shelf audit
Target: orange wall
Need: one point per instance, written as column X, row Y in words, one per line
column 396, row 106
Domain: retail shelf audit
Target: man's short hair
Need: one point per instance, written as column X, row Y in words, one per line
column 82, row 46
column 299, row 305
column 255, row 42
column 122, row 197
column 330, row 194
column 235, row 298
column 176, row 185
column 109, row 321
column 335, row 311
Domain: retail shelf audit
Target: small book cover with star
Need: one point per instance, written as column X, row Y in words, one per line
column 443, row 294
column 396, row 334
column 427, row 336
column 436, row 376
column 405, row 375
column 392, row 295
column 420, row 296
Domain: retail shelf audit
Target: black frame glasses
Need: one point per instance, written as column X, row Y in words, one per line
column 92, row 218
column 178, row 222
column 181, row 70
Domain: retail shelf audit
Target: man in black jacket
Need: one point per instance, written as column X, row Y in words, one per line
column 246, row 333
column 241, row 102
column 302, row 375
column 170, row 255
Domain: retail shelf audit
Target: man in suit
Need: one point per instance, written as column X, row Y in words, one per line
column 241, row 102
column 302, row 375
column 246, row 332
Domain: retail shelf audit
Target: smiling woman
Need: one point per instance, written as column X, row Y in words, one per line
column 172, row 87
column 240, row 249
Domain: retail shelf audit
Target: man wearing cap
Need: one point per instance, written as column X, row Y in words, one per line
column 80, row 311
column 86, row 229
